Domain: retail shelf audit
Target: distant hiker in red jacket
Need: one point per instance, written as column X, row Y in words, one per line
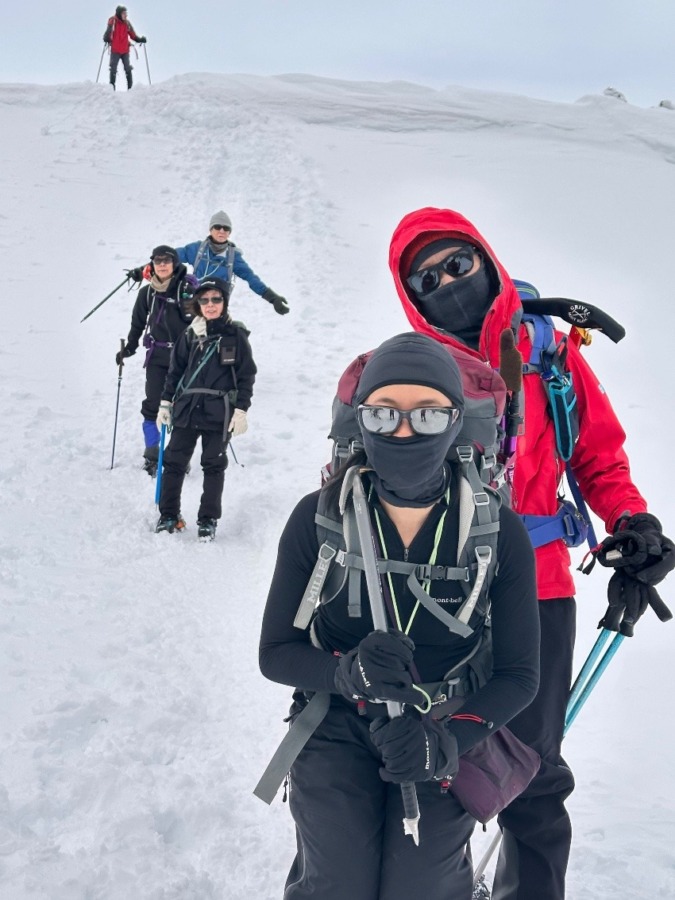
column 117, row 34
column 454, row 289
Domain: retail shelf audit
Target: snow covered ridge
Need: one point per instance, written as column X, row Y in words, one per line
column 133, row 721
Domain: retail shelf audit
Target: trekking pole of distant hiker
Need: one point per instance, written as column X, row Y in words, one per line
column 107, row 297
column 597, row 661
column 411, row 810
column 117, row 405
column 146, row 63
column 105, row 47
column 160, row 463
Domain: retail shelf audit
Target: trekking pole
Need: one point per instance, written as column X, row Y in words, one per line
column 160, row 463
column 105, row 47
column 117, row 405
column 145, row 52
column 588, row 678
column 107, row 297
column 411, row 810
column 589, row 675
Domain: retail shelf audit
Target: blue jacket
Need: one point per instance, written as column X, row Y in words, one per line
column 215, row 265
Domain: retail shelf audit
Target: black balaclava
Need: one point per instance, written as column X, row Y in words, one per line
column 411, row 471
column 460, row 307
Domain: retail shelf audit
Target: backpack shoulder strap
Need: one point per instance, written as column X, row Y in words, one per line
column 329, row 532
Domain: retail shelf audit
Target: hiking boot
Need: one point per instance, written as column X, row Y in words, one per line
column 170, row 524
column 206, row 529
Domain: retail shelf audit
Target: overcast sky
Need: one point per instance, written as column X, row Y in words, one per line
column 552, row 49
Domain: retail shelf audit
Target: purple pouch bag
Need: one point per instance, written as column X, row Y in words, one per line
column 493, row 773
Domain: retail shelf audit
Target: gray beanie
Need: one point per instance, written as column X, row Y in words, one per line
column 220, row 218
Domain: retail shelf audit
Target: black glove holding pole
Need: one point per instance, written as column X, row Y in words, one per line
column 378, row 669
column 413, row 749
column 126, row 351
column 642, row 556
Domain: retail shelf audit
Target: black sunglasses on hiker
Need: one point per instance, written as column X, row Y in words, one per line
column 162, row 260
column 424, row 420
column 457, row 264
column 204, row 301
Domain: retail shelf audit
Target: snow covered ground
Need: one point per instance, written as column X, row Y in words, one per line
column 133, row 720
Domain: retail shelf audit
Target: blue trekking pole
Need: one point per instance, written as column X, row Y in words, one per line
column 600, row 657
column 160, row 462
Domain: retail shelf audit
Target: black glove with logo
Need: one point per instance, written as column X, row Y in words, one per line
column 135, row 274
column 414, row 750
column 279, row 303
column 124, row 354
column 378, row 669
column 642, row 557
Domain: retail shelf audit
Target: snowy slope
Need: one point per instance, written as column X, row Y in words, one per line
column 133, row 720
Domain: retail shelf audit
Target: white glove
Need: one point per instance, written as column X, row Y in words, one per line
column 238, row 423
column 164, row 414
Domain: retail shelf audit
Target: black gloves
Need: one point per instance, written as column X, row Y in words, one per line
column 135, row 274
column 642, row 557
column 142, row 40
column 279, row 303
column 123, row 354
column 378, row 669
column 414, row 750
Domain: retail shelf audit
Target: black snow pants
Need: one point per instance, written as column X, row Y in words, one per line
column 155, row 376
column 176, row 459
column 114, row 62
column 537, row 831
column 349, row 831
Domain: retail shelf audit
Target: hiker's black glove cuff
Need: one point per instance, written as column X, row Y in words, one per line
column 378, row 669
column 414, row 750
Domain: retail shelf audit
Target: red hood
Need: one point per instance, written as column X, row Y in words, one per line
column 419, row 228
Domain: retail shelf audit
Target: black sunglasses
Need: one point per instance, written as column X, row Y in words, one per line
column 220, row 228
column 162, row 260
column 423, row 420
column 457, row 264
column 204, row 301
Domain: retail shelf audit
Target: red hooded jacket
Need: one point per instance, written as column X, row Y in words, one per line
column 119, row 32
column 599, row 461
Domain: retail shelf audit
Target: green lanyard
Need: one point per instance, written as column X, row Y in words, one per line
column 432, row 562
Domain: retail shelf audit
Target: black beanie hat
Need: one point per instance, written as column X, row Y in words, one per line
column 165, row 250
column 214, row 284
column 412, row 358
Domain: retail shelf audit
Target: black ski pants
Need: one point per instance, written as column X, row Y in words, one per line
column 176, row 459
column 114, row 62
column 537, row 831
column 155, row 376
column 349, row 831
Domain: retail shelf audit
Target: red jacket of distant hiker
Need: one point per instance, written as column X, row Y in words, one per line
column 118, row 33
column 599, row 461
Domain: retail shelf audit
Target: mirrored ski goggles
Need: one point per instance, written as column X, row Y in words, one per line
column 423, row 420
column 457, row 264
column 204, row 301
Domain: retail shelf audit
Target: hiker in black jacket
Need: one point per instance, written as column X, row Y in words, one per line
column 206, row 394
column 163, row 311
column 344, row 784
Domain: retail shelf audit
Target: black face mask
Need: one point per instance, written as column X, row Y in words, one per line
column 461, row 306
column 409, row 471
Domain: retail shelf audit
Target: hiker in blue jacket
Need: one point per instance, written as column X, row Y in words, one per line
column 217, row 257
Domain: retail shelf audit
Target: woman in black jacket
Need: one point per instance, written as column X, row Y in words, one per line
column 163, row 311
column 344, row 784
column 206, row 394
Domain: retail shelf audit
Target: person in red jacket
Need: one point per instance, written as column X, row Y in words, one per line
column 117, row 34
column 454, row 289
